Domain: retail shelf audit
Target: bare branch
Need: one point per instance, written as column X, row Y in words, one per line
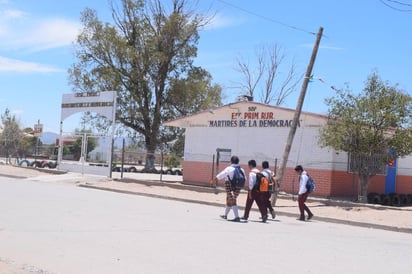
column 266, row 76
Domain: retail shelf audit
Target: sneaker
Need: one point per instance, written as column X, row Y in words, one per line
column 244, row 218
column 237, row 219
column 273, row 214
column 264, row 218
column 223, row 217
column 301, row 219
column 310, row 216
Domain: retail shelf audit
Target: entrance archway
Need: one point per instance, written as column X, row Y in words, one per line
column 102, row 103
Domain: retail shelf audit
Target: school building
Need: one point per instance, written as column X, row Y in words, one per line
column 258, row 131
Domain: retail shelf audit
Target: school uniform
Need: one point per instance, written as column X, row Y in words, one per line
column 266, row 196
column 254, row 195
column 303, row 195
column 232, row 192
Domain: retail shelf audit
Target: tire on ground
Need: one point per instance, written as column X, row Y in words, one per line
column 170, row 172
column 403, row 199
column 35, row 164
column 24, row 163
column 385, row 199
column 395, row 199
column 409, row 199
column 44, row 164
column 374, row 198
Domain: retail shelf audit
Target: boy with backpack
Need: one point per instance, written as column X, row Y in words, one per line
column 271, row 188
column 254, row 194
column 303, row 193
column 235, row 179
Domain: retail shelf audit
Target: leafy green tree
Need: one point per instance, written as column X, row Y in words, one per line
column 147, row 47
column 193, row 93
column 179, row 145
column 171, row 161
column 11, row 135
column 372, row 127
column 30, row 144
column 189, row 95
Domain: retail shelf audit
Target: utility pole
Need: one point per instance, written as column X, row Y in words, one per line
column 296, row 117
column 38, row 128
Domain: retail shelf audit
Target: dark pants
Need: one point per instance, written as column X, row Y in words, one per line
column 255, row 196
column 302, row 206
column 266, row 201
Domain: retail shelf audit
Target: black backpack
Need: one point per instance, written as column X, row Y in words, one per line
column 259, row 177
column 263, row 183
column 238, row 179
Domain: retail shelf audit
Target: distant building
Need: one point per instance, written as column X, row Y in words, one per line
column 258, row 131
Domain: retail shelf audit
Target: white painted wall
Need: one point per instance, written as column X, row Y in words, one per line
column 259, row 143
column 262, row 143
column 404, row 166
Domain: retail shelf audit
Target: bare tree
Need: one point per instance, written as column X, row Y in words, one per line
column 267, row 81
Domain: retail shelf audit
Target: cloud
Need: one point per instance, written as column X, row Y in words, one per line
column 7, row 18
column 51, row 33
column 18, row 112
column 12, row 14
column 13, row 65
column 19, row 31
column 331, row 47
column 220, row 21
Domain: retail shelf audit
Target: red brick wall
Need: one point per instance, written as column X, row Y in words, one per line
column 404, row 184
column 328, row 183
column 290, row 181
column 377, row 184
column 200, row 172
column 343, row 184
column 197, row 172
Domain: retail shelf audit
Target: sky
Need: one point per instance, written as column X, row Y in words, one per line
column 36, row 48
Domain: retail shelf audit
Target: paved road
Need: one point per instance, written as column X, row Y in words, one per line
column 52, row 227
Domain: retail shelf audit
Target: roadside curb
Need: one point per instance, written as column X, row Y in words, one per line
column 208, row 189
column 280, row 213
column 13, row 176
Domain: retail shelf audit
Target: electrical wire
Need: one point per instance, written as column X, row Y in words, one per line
column 398, row 3
column 266, row 18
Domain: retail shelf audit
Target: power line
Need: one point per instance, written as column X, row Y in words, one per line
column 398, row 3
column 266, row 18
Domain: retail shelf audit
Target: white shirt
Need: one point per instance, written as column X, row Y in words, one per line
column 303, row 179
column 228, row 171
column 252, row 177
column 268, row 173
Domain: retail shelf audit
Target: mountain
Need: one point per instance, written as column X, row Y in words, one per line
column 48, row 138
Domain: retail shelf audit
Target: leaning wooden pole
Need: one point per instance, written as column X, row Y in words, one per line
column 296, row 117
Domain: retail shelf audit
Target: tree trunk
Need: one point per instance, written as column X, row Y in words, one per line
column 150, row 154
column 150, row 162
column 364, row 180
